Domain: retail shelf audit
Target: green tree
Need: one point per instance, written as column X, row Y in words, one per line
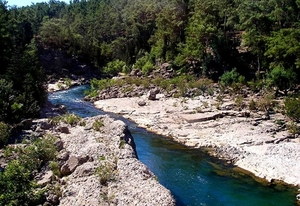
column 282, row 79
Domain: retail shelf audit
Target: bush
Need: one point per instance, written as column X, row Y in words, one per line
column 69, row 118
column 229, row 78
column 68, row 82
column 147, row 68
column 281, row 78
column 114, row 67
column 142, row 61
column 252, row 105
column 292, row 108
column 105, row 172
column 97, row 125
column 266, row 103
column 293, row 128
column 4, row 134
column 17, row 186
column 55, row 168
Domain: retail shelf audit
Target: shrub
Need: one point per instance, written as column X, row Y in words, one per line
column 266, row 103
column 255, row 85
column 252, row 105
column 69, row 118
column 97, row 125
column 239, row 101
column 114, row 67
column 293, row 128
column 17, row 186
column 148, row 67
column 55, row 168
column 105, row 172
column 46, row 148
column 142, row 61
column 281, row 78
column 292, row 108
column 98, row 85
column 68, row 82
column 229, row 78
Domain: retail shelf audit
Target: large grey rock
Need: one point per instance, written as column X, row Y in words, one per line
column 133, row 183
column 46, row 179
column 152, row 95
column 69, row 166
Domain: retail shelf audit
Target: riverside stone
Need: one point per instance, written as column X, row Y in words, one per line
column 45, row 179
column 130, row 182
column 69, row 166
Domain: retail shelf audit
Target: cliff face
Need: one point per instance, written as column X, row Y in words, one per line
column 98, row 166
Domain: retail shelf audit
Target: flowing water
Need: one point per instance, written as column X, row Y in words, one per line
column 193, row 177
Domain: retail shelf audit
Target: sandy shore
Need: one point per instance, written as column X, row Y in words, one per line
column 248, row 140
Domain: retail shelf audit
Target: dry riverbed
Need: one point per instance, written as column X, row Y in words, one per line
column 248, row 140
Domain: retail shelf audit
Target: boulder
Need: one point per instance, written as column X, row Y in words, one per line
column 45, row 125
column 59, row 144
column 141, row 103
column 63, row 129
column 46, row 179
column 69, row 166
column 152, row 95
column 53, row 199
column 63, row 156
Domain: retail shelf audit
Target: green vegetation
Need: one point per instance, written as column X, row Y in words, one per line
column 254, row 39
column 97, row 125
column 69, row 118
column 232, row 77
column 106, row 172
column 55, row 168
column 68, row 82
column 122, row 144
column 17, row 186
column 203, row 41
column 182, row 83
column 114, row 67
column 292, row 108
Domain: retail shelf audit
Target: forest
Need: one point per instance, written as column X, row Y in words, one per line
column 256, row 39
column 255, row 42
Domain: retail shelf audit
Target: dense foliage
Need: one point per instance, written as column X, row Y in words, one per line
column 259, row 38
column 227, row 40
column 22, row 80
column 201, row 36
column 17, row 184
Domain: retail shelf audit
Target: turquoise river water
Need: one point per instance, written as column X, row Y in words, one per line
column 193, row 177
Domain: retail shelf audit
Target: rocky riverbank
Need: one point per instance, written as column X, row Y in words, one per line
column 111, row 174
column 258, row 142
column 254, row 141
column 95, row 164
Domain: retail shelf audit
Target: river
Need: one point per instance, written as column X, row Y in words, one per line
column 193, row 177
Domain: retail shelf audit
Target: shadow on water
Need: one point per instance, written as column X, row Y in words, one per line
column 193, row 177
